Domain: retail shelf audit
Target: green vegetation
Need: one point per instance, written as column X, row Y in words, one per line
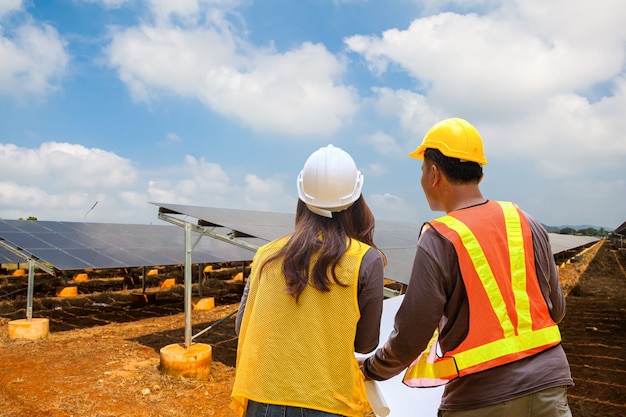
column 578, row 231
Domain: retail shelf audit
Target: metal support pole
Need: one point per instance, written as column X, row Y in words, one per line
column 31, row 289
column 200, row 280
column 188, row 249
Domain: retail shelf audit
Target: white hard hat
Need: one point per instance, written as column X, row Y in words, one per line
column 329, row 181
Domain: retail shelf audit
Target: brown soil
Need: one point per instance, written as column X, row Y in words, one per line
column 102, row 356
column 594, row 331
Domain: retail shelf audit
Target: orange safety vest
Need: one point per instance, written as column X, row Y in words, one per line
column 509, row 318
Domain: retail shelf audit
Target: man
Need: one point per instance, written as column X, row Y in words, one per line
column 485, row 283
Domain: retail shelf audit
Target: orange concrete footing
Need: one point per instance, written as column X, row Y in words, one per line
column 33, row 329
column 205, row 304
column 66, row 291
column 81, row 277
column 19, row 273
column 191, row 362
column 167, row 283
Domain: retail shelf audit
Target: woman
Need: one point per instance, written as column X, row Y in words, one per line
column 313, row 298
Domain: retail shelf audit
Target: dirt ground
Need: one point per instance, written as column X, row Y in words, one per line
column 102, row 356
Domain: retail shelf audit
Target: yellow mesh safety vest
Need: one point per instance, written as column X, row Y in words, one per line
column 509, row 318
column 301, row 355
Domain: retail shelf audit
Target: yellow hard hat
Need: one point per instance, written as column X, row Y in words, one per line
column 455, row 138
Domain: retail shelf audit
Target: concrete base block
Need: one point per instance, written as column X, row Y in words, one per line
column 33, row 329
column 167, row 283
column 205, row 304
column 67, row 291
column 81, row 277
column 192, row 362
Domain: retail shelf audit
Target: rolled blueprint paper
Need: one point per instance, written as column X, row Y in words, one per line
column 375, row 397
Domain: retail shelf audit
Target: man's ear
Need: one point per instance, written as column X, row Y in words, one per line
column 435, row 175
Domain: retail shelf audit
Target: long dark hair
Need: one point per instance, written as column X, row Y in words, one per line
column 322, row 240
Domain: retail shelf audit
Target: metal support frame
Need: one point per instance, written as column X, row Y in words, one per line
column 203, row 231
column 188, row 305
column 27, row 257
column 31, row 274
column 209, row 232
column 31, row 289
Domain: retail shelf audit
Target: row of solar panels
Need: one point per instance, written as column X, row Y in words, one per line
column 76, row 246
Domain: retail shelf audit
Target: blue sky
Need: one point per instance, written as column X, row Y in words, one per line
column 220, row 102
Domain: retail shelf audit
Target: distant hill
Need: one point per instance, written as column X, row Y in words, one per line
column 557, row 229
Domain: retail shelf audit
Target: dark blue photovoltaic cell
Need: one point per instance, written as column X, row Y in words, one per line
column 23, row 240
column 7, row 257
column 74, row 246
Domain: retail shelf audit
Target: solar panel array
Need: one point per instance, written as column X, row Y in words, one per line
column 396, row 239
column 75, row 246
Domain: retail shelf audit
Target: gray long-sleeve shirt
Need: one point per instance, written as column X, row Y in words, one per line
column 436, row 291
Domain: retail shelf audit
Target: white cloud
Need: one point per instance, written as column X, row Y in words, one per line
column 163, row 9
column 521, row 73
column 8, row 6
column 269, row 194
column 568, row 137
column 111, row 4
column 71, row 178
column 376, row 169
column 501, row 62
column 296, row 92
column 60, row 180
column 384, row 144
column 206, row 183
column 33, row 59
column 390, row 206
column 208, row 176
column 172, row 138
column 65, row 165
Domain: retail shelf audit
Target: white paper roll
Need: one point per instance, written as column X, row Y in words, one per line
column 375, row 397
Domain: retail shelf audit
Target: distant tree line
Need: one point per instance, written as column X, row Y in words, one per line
column 586, row 231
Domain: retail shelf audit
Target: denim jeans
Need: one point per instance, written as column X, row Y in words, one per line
column 270, row 410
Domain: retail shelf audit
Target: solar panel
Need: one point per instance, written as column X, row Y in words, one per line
column 74, row 245
column 396, row 239
column 562, row 243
